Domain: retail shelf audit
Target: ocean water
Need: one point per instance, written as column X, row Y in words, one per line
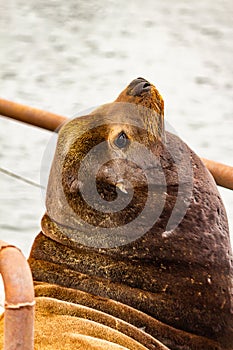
column 69, row 56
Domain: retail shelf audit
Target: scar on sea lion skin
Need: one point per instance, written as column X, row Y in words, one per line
column 177, row 281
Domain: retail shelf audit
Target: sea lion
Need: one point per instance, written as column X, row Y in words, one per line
column 134, row 248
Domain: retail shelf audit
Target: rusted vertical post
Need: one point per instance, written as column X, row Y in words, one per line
column 19, row 299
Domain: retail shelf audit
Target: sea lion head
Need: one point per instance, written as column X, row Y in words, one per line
column 104, row 165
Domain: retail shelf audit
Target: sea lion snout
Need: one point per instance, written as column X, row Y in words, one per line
column 146, row 97
column 138, row 86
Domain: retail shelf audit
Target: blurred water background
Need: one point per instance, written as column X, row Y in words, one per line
column 66, row 56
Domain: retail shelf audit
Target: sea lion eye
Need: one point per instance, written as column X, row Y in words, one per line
column 122, row 140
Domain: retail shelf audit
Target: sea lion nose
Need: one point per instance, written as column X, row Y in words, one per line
column 138, row 86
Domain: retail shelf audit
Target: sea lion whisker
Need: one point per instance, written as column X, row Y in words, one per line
column 121, row 187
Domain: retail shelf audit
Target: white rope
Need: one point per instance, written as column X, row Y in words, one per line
column 21, row 178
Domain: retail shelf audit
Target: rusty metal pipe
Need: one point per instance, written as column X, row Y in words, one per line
column 31, row 115
column 19, row 299
column 223, row 174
